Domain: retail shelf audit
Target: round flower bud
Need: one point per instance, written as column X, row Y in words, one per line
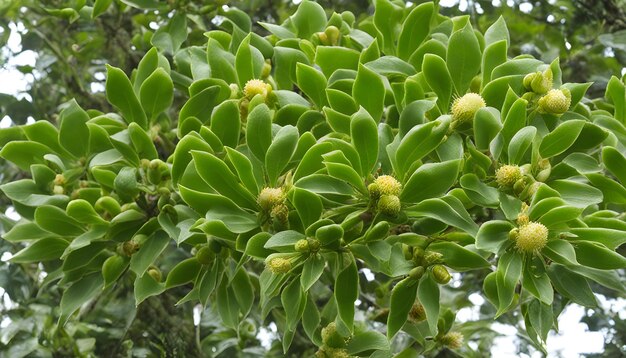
column 302, row 246
column 205, row 255
column 507, row 175
column 407, row 251
column 332, row 35
column 513, row 234
column 389, row 205
column 280, row 213
column 267, row 69
column 441, row 274
column 314, row 245
column 59, row 179
column 417, row 312
column 279, row 265
column 464, row 108
column 531, row 237
column 155, row 273
column 256, row 87
column 432, row 258
column 416, row 273
column 130, row 247
column 388, row 185
column 452, row 340
column 418, row 254
column 556, row 101
column 270, row 197
column 58, row 190
column 332, row 338
column 539, row 82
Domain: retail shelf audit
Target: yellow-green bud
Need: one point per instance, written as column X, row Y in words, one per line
column 522, row 219
column 417, row 312
column 418, row 254
column 329, row 352
column 464, row 108
column 389, row 205
column 58, row 190
column 270, row 197
column 373, row 190
column 539, row 82
column 388, row 185
column 59, row 179
column 441, row 274
column 452, row 340
column 234, row 91
column 155, row 273
column 556, row 101
column 531, row 237
column 256, row 87
column 130, row 247
column 302, row 246
column 267, row 69
column 279, row 265
column 407, row 251
column 416, row 273
column 205, row 255
column 332, row 35
column 332, row 338
column 432, row 258
column 507, row 175
column 513, row 234
column 314, row 245
column 280, row 213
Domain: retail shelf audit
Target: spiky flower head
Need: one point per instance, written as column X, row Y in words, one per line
column 531, row 237
column 507, row 175
column 270, row 197
column 388, row 185
column 452, row 340
column 464, row 108
column 302, row 245
column 389, row 205
column 556, row 101
column 278, row 265
column 255, row 87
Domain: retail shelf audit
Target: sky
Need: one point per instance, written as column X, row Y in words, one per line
column 572, row 340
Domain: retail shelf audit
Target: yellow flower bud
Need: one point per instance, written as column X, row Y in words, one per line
column 59, row 179
column 539, row 82
column 332, row 338
column 507, row 175
column 155, row 273
column 556, row 101
column 389, row 205
column 205, row 255
column 388, row 185
column 441, row 274
column 464, row 108
column 531, row 237
column 302, row 246
column 452, row 340
column 278, row 265
column 256, row 87
column 270, row 197
column 280, row 213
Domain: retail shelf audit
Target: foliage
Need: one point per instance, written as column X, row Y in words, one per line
column 324, row 179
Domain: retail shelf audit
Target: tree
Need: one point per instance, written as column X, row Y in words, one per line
column 322, row 177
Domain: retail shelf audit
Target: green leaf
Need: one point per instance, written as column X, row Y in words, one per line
column 146, row 286
column 284, row 240
column 113, row 268
column 119, row 92
column 479, row 192
column 74, row 133
column 367, row 341
column 577, row 194
column 364, row 134
column 536, row 281
column 279, row 153
column 148, row 253
column 369, row 92
column 200, row 107
column 571, row 285
column 560, row 139
column 309, row 19
column 222, row 62
column 430, row 180
column 170, row 37
column 439, row 79
column 157, row 93
column 493, row 56
column 249, row 62
column 25, row 153
column 324, row 185
column 463, row 58
column 497, row 32
column 226, row 123
column 55, row 220
column 126, row 185
column 541, row 318
column 293, row 299
column 596, row 255
column 332, row 58
column 100, row 7
column 520, row 143
column 259, row 131
column 308, row 205
column 82, row 211
column 415, row 29
column 78, row 294
column 311, row 271
column 387, row 18
column 244, row 292
column 184, row 272
column 217, row 174
column 442, row 210
column 428, row 296
column 458, row 257
column 615, row 162
column 402, row 300
column 610, row 238
column 418, row 142
column 508, row 274
column 560, row 251
column 312, row 83
column 44, row 249
column 346, row 293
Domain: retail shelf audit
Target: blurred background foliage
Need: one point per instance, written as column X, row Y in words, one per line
column 71, row 47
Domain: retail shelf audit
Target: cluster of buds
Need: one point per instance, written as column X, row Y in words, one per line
column 330, row 36
column 552, row 101
column 384, row 192
column 539, row 82
column 59, row 183
column 464, row 108
column 452, row 340
column 307, row 246
column 426, row 259
column 333, row 343
column 529, row 237
column 272, row 202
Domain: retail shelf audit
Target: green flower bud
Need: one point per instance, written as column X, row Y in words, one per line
column 59, row 179
column 452, row 340
column 278, row 265
column 416, row 273
column 129, row 247
column 155, row 273
column 256, row 87
column 431, row 258
column 314, row 245
column 107, row 204
column 267, row 69
column 556, row 101
column 407, row 251
column 464, row 108
column 389, row 205
column 205, row 255
column 441, row 274
column 302, row 246
column 507, row 175
column 247, row 329
column 513, row 234
column 378, row 232
column 270, row 197
column 155, row 171
column 388, row 185
column 58, row 190
column 332, row 338
column 373, row 190
column 418, row 255
column 332, row 35
column 531, row 237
